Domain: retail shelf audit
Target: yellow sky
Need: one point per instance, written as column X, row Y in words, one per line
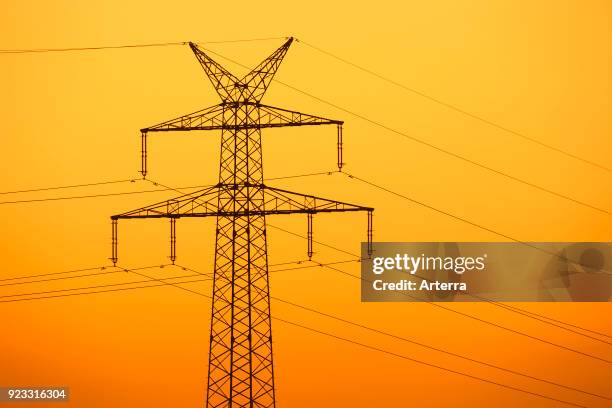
column 540, row 68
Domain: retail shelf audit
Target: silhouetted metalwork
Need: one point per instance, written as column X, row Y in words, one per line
column 240, row 370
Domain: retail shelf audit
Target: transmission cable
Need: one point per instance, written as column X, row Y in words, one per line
column 430, row 145
column 70, row 186
column 512, row 309
column 104, row 272
column 488, row 322
column 464, row 220
column 197, row 273
column 457, row 108
column 162, row 283
column 397, row 337
column 177, row 285
column 113, row 47
column 36, row 200
column 471, row 316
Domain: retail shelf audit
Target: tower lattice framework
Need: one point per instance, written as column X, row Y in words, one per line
column 240, row 369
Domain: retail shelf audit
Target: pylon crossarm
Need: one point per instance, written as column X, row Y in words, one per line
column 278, row 201
column 271, row 116
column 205, row 200
column 210, row 118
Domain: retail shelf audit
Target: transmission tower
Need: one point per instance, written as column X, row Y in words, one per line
column 240, row 368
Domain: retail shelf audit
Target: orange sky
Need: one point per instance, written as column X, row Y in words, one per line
column 540, row 68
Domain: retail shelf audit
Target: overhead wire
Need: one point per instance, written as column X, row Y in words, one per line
column 510, row 387
column 163, row 282
column 430, row 145
column 208, row 276
column 512, row 309
column 177, row 285
column 280, row 177
column 69, row 186
column 490, row 323
column 104, row 271
column 421, row 344
column 488, row 300
column 440, row 350
column 462, row 219
column 37, row 200
column 456, row 108
column 114, row 47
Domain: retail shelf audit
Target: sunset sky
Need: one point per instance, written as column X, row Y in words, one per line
column 540, row 69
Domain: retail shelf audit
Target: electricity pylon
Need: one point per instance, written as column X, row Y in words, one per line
column 240, row 368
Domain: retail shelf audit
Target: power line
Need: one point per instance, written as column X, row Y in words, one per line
column 163, row 283
column 523, row 312
column 177, row 285
column 427, row 364
column 458, row 109
column 69, row 186
column 428, row 144
column 560, row 321
column 87, row 275
column 420, row 93
column 519, row 311
column 478, row 164
column 96, row 48
column 363, row 326
column 56, row 273
column 125, row 181
column 374, row 330
column 540, row 319
column 316, row 173
column 103, row 268
column 208, row 276
column 513, row 309
column 318, row 242
column 464, row 220
column 92, row 292
column 37, row 200
column 123, row 270
column 114, row 47
column 499, row 326
column 319, row 173
column 488, row 300
column 97, row 286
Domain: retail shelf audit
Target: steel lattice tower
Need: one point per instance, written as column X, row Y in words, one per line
column 240, row 369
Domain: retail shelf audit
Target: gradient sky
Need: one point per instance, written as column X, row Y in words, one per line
column 539, row 68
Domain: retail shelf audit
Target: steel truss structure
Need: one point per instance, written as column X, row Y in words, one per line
column 240, row 369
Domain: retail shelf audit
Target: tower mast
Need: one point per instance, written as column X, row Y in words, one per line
column 240, row 368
